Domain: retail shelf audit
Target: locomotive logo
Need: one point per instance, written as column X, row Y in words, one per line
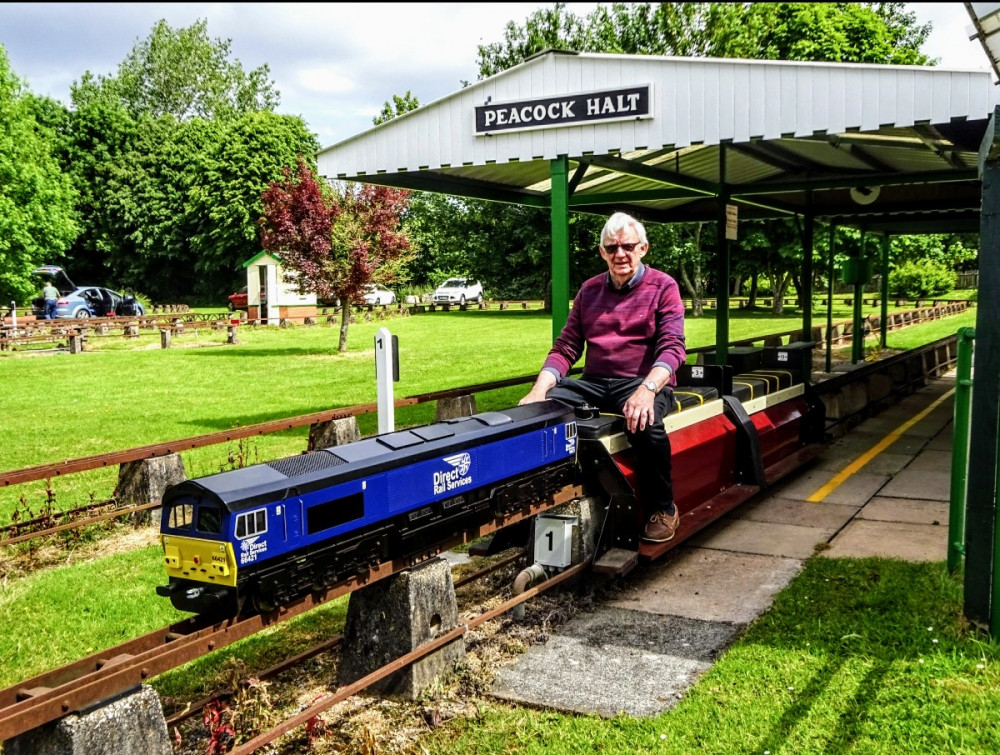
column 251, row 548
column 461, row 462
column 457, row 476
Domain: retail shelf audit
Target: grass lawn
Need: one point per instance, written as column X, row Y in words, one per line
column 856, row 655
column 846, row 660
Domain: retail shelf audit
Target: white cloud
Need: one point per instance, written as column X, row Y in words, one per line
column 325, row 79
column 334, row 63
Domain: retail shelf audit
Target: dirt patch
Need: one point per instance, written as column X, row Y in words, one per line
column 370, row 724
column 75, row 546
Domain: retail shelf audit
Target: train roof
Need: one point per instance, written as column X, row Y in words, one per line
column 239, row 489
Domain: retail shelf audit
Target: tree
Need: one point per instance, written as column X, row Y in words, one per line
column 171, row 156
column 183, row 73
column 335, row 240
column 396, row 107
column 852, row 32
column 37, row 218
column 856, row 32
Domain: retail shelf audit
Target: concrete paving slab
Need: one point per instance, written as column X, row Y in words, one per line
column 863, row 441
column 709, row 585
column 943, row 441
column 925, row 484
column 764, row 538
column 932, row 461
column 856, row 489
column 885, row 463
column 824, row 515
column 615, row 661
column 906, row 541
column 903, row 510
column 883, row 425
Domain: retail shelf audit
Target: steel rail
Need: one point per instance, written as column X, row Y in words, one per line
column 102, row 675
column 74, row 524
column 192, row 709
column 438, row 642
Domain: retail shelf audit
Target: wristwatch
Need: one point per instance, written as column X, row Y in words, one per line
column 651, row 384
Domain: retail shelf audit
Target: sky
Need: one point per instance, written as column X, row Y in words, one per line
column 334, row 64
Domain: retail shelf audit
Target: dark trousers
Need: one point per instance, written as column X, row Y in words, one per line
column 50, row 309
column 651, row 446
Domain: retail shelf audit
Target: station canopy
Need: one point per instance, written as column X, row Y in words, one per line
column 885, row 148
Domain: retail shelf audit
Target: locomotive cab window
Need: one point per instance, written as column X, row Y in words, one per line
column 251, row 523
column 181, row 516
column 209, row 520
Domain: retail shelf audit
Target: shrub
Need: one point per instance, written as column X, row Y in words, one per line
column 919, row 279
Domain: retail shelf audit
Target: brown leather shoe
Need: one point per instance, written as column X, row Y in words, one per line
column 662, row 526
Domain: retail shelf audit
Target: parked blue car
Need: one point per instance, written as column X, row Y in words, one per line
column 84, row 301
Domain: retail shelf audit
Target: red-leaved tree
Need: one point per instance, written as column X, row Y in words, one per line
column 335, row 240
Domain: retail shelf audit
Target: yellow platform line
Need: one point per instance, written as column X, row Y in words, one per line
column 838, row 479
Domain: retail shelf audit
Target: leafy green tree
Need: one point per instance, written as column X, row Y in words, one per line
column 171, row 155
column 683, row 249
column 223, row 202
column 37, row 217
column 857, row 32
column 914, row 279
column 183, row 73
column 397, row 106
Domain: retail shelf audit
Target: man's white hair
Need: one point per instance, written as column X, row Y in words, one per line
column 619, row 222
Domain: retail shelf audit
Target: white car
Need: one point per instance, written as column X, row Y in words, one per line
column 458, row 290
column 376, row 294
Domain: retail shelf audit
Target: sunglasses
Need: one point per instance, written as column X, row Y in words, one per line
column 613, row 248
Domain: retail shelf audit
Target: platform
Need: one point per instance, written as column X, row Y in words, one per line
column 638, row 652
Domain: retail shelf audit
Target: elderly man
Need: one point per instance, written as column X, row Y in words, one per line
column 631, row 321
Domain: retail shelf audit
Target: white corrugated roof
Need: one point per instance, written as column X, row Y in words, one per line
column 694, row 101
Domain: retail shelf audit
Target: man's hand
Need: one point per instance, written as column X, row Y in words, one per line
column 543, row 383
column 532, row 397
column 638, row 410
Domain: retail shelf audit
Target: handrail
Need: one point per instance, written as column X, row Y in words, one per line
column 960, row 449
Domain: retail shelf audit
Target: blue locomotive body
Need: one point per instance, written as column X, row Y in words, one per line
column 273, row 531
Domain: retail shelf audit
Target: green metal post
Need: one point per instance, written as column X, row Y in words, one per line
column 980, row 575
column 858, row 335
column 559, row 215
column 831, row 271
column 722, row 269
column 960, row 449
column 807, row 276
column 884, row 293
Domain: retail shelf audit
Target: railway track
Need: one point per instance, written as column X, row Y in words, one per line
column 54, row 694
column 332, row 643
column 49, row 696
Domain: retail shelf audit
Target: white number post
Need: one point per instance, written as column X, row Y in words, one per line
column 383, row 380
column 554, row 539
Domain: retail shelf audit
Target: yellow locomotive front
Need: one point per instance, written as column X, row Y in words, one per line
column 200, row 562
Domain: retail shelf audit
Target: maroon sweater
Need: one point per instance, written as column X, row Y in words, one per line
column 626, row 331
